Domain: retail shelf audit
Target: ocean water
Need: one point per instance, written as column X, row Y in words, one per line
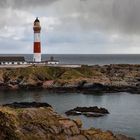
column 89, row 59
column 124, row 108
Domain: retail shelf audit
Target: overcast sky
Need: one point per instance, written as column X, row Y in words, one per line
column 71, row 26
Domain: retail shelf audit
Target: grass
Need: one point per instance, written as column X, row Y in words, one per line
column 43, row 73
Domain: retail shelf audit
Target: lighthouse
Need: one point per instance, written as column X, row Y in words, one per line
column 37, row 42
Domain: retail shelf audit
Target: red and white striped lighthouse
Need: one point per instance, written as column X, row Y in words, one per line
column 37, row 42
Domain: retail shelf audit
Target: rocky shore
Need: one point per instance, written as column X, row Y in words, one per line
column 38, row 121
column 108, row 78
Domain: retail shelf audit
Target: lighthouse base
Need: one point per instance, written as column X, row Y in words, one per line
column 37, row 57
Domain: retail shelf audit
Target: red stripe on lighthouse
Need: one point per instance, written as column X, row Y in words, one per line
column 37, row 47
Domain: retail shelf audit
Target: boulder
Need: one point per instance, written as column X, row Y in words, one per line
column 88, row 111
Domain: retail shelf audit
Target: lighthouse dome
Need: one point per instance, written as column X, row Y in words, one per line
column 37, row 20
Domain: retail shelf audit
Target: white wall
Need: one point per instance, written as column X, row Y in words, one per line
column 52, row 63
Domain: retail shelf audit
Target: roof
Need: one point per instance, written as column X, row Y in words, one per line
column 37, row 20
column 12, row 59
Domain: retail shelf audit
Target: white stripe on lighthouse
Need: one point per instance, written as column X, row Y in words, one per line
column 36, row 37
column 37, row 57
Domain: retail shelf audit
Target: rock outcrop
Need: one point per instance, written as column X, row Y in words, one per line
column 108, row 78
column 88, row 111
column 38, row 121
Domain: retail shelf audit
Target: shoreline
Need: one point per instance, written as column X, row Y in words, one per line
column 107, row 78
column 33, row 120
column 91, row 90
column 86, row 79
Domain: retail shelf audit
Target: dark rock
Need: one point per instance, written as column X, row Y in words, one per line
column 27, row 105
column 88, row 111
column 88, row 85
column 81, row 84
column 98, row 85
column 13, row 82
column 88, row 114
column 73, row 112
column 92, row 109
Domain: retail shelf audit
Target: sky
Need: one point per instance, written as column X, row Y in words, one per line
column 71, row 26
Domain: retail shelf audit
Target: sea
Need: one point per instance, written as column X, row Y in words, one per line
column 124, row 107
column 87, row 59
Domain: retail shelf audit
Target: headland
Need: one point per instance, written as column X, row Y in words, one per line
column 107, row 78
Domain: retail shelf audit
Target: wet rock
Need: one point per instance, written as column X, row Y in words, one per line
column 88, row 114
column 88, row 111
column 71, row 85
column 88, row 85
column 13, row 82
column 27, row 105
column 13, row 87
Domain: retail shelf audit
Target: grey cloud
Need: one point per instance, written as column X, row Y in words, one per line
column 13, row 46
column 106, row 15
column 79, row 20
column 121, row 16
column 25, row 3
column 12, row 12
